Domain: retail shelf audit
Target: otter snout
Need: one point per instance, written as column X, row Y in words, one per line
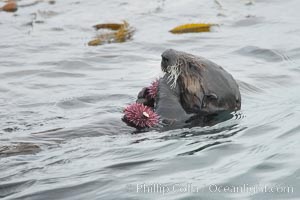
column 164, row 63
column 168, row 58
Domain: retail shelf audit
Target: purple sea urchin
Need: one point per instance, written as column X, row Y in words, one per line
column 140, row 116
column 153, row 89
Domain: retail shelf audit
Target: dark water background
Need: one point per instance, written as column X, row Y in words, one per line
column 51, row 80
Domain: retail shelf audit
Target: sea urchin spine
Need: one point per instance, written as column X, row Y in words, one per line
column 140, row 116
column 153, row 89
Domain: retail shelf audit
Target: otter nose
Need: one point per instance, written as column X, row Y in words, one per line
column 164, row 63
column 164, row 59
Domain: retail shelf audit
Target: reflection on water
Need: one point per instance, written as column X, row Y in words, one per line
column 61, row 101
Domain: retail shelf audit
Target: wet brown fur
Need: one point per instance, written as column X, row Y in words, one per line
column 194, row 87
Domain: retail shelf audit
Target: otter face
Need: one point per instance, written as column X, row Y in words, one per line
column 168, row 58
column 170, row 65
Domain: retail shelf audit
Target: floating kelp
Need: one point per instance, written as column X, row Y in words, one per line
column 192, row 28
column 10, row 6
column 119, row 33
column 95, row 42
column 124, row 33
column 114, row 27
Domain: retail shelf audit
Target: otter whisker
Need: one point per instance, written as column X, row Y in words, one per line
column 174, row 72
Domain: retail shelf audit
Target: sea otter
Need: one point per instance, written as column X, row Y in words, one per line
column 203, row 85
column 192, row 88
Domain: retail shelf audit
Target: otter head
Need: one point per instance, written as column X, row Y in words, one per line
column 170, row 64
column 168, row 58
column 177, row 64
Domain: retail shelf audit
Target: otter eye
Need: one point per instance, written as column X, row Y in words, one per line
column 191, row 66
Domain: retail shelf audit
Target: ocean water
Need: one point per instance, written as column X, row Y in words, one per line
column 61, row 102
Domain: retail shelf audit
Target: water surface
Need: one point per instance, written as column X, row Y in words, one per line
column 61, row 101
